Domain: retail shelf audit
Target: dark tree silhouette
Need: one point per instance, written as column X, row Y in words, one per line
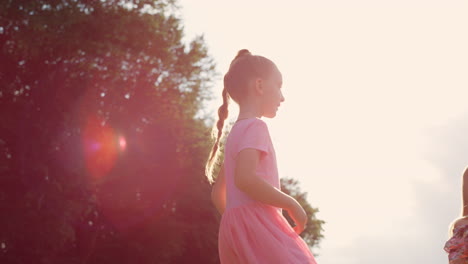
column 313, row 230
column 101, row 153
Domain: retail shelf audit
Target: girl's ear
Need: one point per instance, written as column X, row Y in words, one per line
column 259, row 86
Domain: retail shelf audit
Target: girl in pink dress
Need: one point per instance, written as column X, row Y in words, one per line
column 457, row 245
column 247, row 190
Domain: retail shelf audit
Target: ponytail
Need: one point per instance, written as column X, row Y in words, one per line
column 222, row 114
column 241, row 53
column 242, row 69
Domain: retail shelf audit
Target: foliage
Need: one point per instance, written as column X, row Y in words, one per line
column 313, row 230
column 100, row 151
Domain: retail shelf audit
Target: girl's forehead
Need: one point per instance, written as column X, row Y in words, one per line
column 276, row 76
column 279, row 79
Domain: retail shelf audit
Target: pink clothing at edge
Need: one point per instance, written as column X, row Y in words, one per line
column 252, row 232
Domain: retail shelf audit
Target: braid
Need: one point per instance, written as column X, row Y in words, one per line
column 222, row 114
column 243, row 68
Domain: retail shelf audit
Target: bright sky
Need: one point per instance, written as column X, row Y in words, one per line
column 375, row 93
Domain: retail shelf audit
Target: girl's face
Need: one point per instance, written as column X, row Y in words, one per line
column 272, row 95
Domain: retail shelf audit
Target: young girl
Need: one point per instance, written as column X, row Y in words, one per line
column 457, row 245
column 247, row 189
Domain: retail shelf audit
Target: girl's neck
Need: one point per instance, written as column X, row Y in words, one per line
column 249, row 111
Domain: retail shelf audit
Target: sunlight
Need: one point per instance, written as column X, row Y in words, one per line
column 363, row 91
column 122, row 143
column 100, row 147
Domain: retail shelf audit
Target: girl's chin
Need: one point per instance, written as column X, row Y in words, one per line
column 270, row 115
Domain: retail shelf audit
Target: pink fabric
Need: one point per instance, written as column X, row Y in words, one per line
column 457, row 245
column 252, row 232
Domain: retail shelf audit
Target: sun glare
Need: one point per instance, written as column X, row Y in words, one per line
column 122, row 143
column 100, row 147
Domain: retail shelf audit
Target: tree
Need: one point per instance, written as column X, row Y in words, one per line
column 100, row 151
column 313, row 230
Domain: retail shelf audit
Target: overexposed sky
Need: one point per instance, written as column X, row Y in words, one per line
column 372, row 124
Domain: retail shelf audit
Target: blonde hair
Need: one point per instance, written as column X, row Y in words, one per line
column 244, row 68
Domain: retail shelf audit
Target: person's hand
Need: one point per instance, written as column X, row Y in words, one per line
column 298, row 215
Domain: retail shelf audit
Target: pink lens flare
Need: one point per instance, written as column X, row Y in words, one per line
column 100, row 147
column 122, row 143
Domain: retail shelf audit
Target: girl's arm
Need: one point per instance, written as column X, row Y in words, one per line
column 246, row 180
column 465, row 193
column 218, row 193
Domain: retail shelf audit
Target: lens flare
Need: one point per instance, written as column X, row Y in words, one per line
column 122, row 143
column 100, row 147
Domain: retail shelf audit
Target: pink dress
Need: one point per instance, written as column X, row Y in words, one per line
column 252, row 232
column 457, row 245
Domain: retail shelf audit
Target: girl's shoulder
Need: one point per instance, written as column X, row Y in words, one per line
column 250, row 131
column 252, row 125
column 249, row 125
column 460, row 225
column 250, row 120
